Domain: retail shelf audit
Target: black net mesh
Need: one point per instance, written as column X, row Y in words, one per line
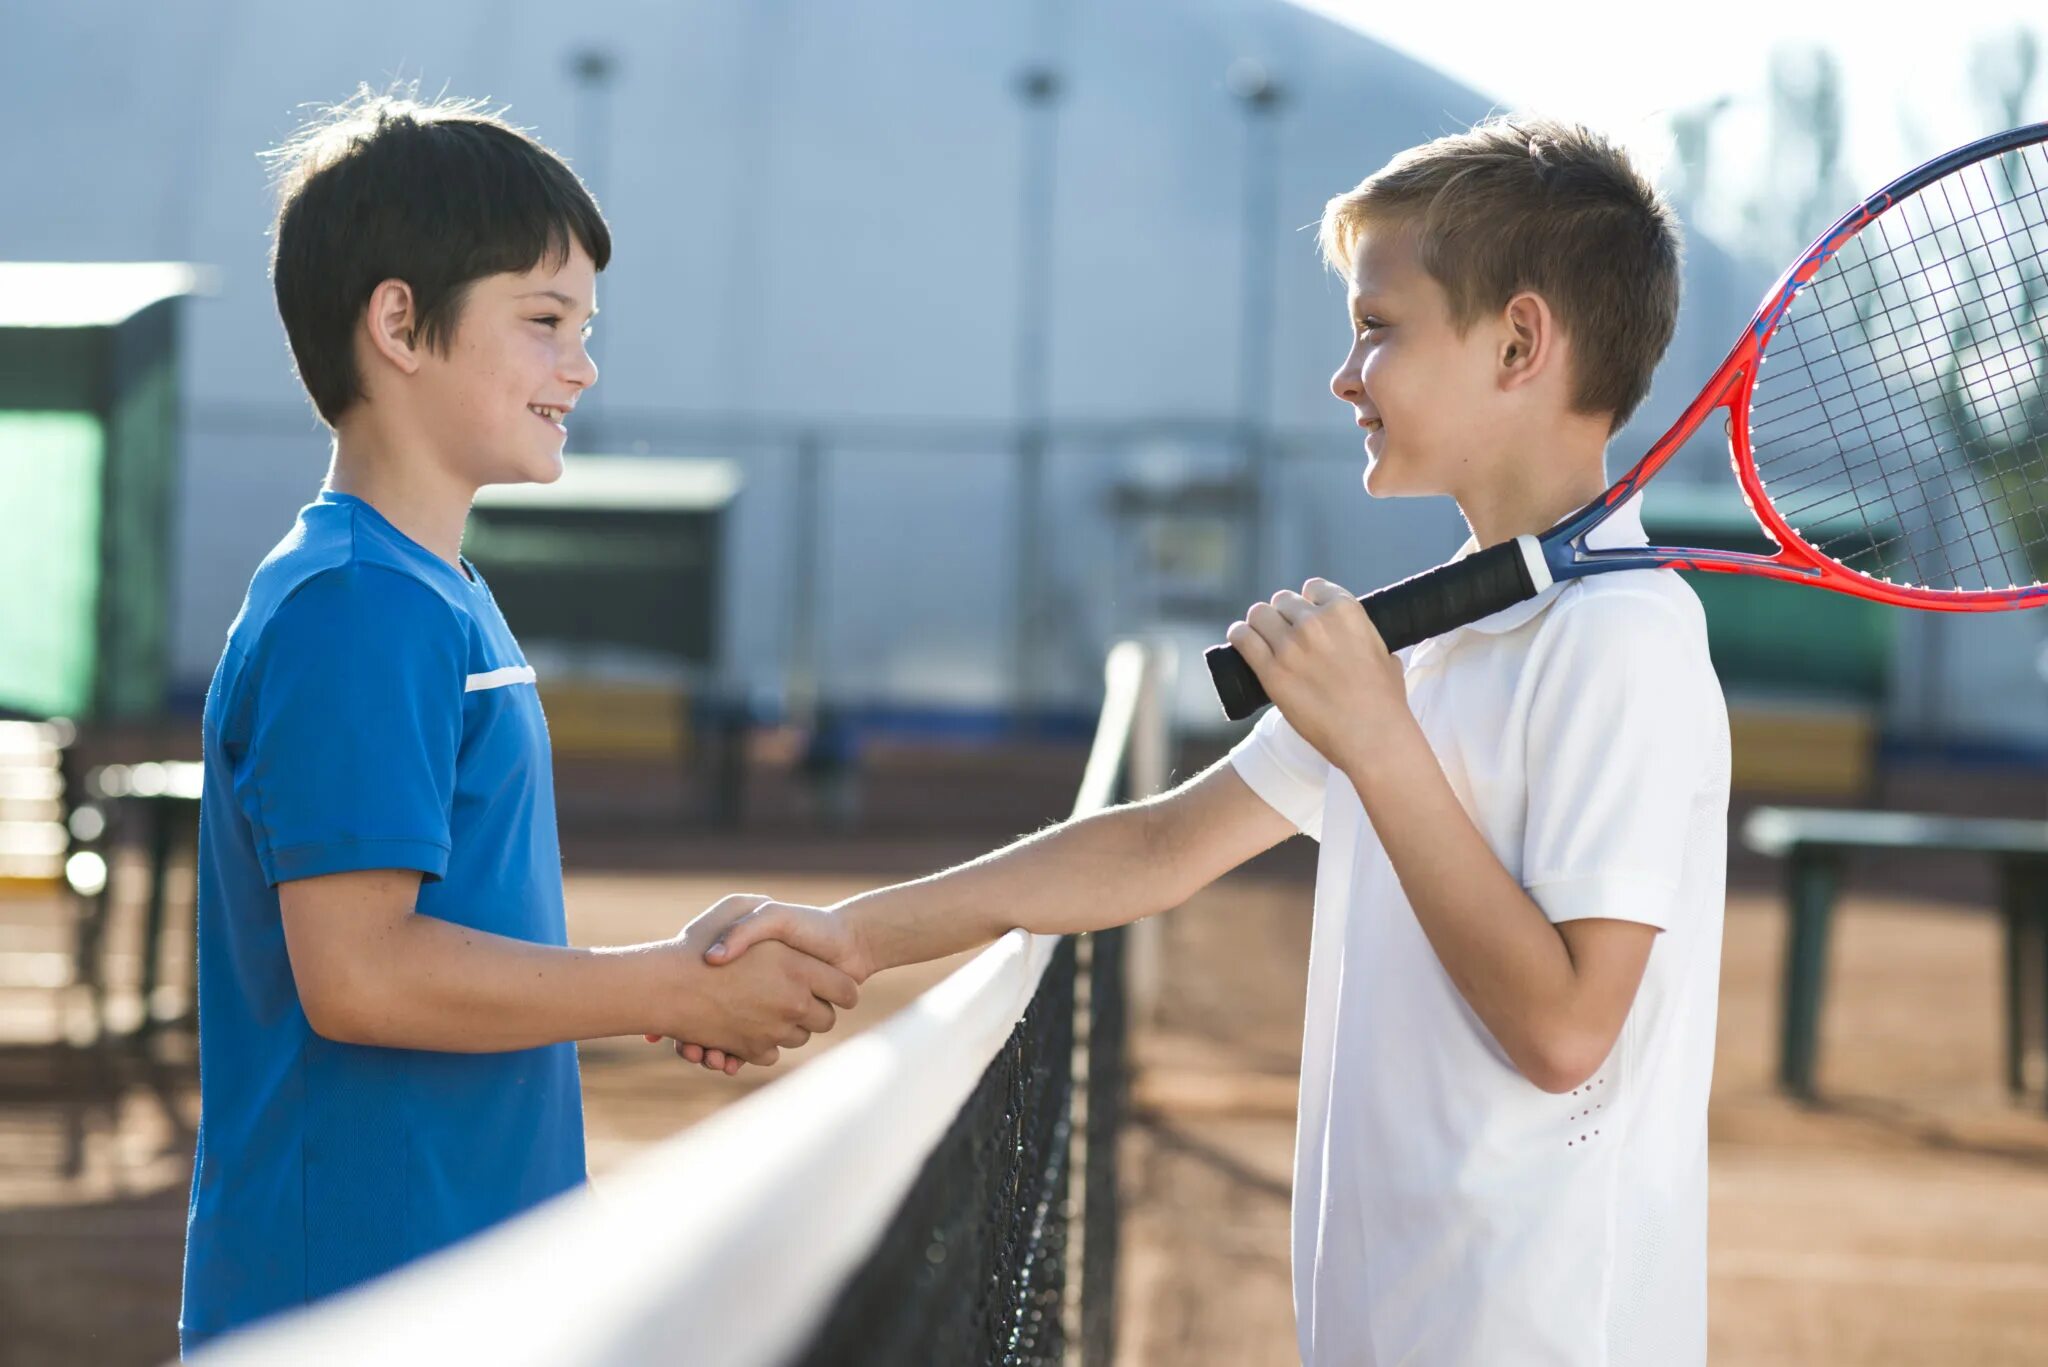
column 1108, row 1087
column 1900, row 416
column 975, row 1266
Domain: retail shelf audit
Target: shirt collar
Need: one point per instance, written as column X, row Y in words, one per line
column 1623, row 527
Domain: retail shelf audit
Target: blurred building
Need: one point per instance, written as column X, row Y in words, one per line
column 1009, row 316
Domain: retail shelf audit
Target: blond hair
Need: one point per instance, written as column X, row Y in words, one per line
column 1527, row 203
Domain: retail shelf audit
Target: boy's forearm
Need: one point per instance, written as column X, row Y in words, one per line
column 1501, row 952
column 437, row 985
column 1085, row 874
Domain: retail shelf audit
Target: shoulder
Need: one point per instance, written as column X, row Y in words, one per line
column 1626, row 647
column 1621, row 676
column 1646, row 614
column 362, row 606
column 332, row 557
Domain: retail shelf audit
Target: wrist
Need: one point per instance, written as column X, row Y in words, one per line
column 859, row 917
column 1383, row 750
column 639, row 981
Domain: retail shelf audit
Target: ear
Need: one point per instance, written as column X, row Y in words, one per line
column 1529, row 340
column 392, row 325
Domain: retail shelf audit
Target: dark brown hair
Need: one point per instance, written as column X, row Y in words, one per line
column 439, row 195
column 1525, row 203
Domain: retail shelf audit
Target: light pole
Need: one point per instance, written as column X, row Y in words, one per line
column 1261, row 97
column 592, row 69
column 1038, row 87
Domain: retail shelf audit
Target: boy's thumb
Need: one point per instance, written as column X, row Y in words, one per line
column 737, row 938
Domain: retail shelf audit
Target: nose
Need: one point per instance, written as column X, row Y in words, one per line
column 580, row 371
column 1346, row 384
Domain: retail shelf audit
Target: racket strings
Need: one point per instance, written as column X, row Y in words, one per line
column 1922, row 438
column 1793, row 348
column 1900, row 423
column 1808, row 399
column 1829, row 457
column 2020, row 365
column 1969, row 251
column 2008, row 442
column 1952, row 226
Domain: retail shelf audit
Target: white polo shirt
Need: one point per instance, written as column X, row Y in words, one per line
column 1447, row 1211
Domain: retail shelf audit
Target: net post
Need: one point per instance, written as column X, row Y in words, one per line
column 1147, row 775
column 1135, row 675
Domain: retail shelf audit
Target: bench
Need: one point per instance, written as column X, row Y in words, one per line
column 1815, row 843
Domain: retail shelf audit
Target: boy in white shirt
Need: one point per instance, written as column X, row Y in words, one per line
column 1513, row 973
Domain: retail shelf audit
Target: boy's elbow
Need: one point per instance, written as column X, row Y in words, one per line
column 333, row 1013
column 1566, row 1062
column 340, row 1001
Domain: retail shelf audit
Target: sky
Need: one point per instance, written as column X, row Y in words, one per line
column 1907, row 86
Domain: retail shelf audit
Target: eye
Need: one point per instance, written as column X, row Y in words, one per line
column 1368, row 326
column 549, row 318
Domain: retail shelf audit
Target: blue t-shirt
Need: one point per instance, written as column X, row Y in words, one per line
column 371, row 711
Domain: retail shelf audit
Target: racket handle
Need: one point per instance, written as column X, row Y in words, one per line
column 1425, row 605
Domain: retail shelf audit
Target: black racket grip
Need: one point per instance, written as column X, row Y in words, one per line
column 1425, row 605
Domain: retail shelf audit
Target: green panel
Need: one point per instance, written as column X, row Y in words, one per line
column 49, row 560
column 1773, row 637
column 48, row 369
column 644, row 579
column 135, row 608
column 1783, row 638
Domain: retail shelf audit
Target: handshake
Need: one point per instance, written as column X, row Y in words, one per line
column 759, row 976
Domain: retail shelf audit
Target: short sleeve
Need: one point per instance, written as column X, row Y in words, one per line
column 355, row 722
column 1287, row 773
column 1619, row 736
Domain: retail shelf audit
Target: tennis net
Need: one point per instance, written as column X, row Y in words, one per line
column 940, row 1188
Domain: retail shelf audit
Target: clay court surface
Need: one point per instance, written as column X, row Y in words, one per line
column 1904, row 1221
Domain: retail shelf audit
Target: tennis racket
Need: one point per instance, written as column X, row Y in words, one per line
column 1890, row 396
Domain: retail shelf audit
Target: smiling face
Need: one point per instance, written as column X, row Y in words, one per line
column 495, row 405
column 1425, row 396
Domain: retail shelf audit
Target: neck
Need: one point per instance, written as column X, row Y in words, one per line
column 403, row 482
column 1530, row 491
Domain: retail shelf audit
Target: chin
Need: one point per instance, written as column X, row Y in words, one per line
column 539, row 469
column 548, row 471
column 1382, row 480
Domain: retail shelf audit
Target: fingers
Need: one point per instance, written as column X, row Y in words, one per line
column 824, row 981
column 1291, row 606
column 818, row 1017
column 1250, row 644
column 715, row 1060
column 1267, row 621
column 709, row 924
column 765, row 922
column 1277, row 624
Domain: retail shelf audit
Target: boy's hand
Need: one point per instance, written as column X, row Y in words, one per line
column 808, row 930
column 811, row 930
column 776, row 1000
column 1325, row 667
column 709, row 924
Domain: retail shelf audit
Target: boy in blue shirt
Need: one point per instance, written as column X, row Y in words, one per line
column 388, row 1003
